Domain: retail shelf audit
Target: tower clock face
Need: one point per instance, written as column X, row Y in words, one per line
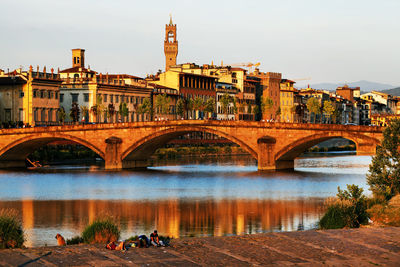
column 170, row 37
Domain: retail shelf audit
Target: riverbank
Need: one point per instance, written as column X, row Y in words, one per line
column 344, row 247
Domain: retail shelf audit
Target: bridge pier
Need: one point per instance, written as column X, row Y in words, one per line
column 112, row 157
column 366, row 149
column 266, row 155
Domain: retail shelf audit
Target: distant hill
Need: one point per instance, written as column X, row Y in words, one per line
column 364, row 86
column 394, row 91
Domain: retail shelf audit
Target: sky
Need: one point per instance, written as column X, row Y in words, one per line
column 329, row 41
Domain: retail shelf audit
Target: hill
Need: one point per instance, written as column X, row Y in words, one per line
column 394, row 91
column 364, row 86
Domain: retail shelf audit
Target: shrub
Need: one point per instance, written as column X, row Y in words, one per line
column 386, row 213
column 347, row 210
column 75, row 240
column 102, row 230
column 11, row 233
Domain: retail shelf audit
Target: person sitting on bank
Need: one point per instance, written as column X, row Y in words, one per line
column 154, row 240
column 114, row 246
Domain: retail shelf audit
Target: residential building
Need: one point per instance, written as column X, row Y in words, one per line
column 231, row 91
column 101, row 97
column 287, row 101
column 172, row 94
column 348, row 93
column 29, row 97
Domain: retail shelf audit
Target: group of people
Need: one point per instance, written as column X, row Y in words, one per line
column 142, row 242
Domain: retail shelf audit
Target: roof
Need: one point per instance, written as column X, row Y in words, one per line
column 12, row 80
column 158, row 86
column 122, row 76
column 287, row 80
column 76, row 69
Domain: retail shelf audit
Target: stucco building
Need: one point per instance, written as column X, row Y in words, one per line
column 29, row 97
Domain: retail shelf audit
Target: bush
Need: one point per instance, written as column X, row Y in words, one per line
column 102, row 231
column 11, row 233
column 386, row 213
column 75, row 240
column 347, row 210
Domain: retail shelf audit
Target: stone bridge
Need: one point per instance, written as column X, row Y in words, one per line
column 129, row 145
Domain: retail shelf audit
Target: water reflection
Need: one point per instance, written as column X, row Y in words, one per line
column 194, row 198
column 177, row 218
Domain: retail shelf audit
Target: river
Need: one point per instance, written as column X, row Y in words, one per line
column 202, row 197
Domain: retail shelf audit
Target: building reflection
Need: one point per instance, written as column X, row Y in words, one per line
column 172, row 217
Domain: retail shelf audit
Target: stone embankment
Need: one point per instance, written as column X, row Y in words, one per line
column 349, row 247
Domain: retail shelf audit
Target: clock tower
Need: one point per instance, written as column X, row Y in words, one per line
column 170, row 45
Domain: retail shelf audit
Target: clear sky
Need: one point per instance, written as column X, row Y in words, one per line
column 330, row 41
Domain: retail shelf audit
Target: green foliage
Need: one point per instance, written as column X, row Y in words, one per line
column 266, row 104
column 162, row 103
column 347, row 210
column 102, row 230
column 198, row 103
column 314, row 106
column 75, row 240
column 278, row 111
column 180, row 107
column 75, row 112
column 255, row 110
column 61, row 114
column 384, row 171
column 329, row 109
column 144, row 108
column 225, row 101
column 123, row 109
column 11, row 233
column 210, row 105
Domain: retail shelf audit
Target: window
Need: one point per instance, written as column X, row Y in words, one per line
column 42, row 93
column 131, row 99
column 86, row 97
column 49, row 94
column 50, row 115
column 21, row 94
column 61, row 98
column 56, row 95
column 116, row 99
column 74, row 98
column 43, row 115
column 35, row 93
column 105, row 98
column 35, row 115
column 111, row 98
column 122, row 98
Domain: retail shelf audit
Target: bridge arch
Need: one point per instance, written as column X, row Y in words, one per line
column 15, row 153
column 142, row 149
column 294, row 149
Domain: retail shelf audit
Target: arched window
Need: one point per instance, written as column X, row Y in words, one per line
column 171, row 37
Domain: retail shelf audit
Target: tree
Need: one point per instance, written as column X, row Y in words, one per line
column 111, row 111
column 145, row 107
column 225, row 101
column 278, row 112
column 61, row 115
column 198, row 104
column 209, row 106
column 162, row 103
column 384, row 171
column 180, row 107
column 123, row 110
column 75, row 112
column 97, row 108
column 188, row 104
column 313, row 106
column 329, row 109
column 256, row 111
column 266, row 104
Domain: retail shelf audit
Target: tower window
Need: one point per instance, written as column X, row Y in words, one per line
column 170, row 37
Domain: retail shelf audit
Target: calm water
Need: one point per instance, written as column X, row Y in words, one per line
column 185, row 198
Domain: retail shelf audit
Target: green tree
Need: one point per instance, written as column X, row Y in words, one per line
column 278, row 112
column 180, row 107
column 198, row 104
column 210, row 106
column 97, row 108
column 74, row 112
column 145, row 107
column 61, row 115
column 162, row 103
column 123, row 110
column 329, row 110
column 314, row 106
column 266, row 104
column 111, row 111
column 188, row 105
column 255, row 110
column 384, row 171
column 225, row 101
